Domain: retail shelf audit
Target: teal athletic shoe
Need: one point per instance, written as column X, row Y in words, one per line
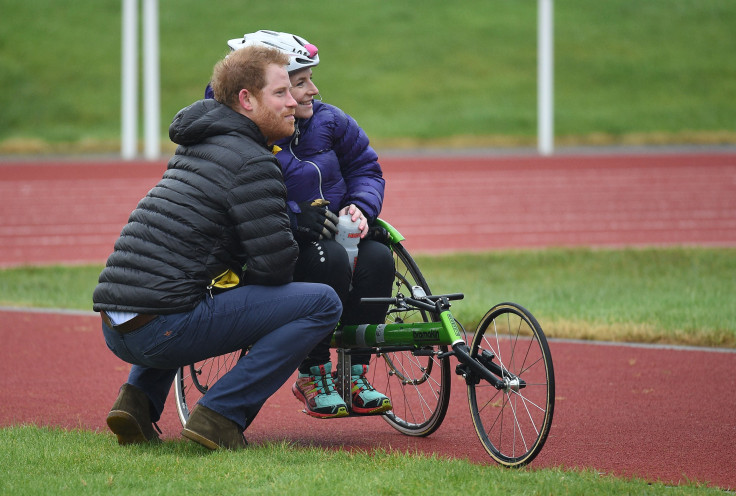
column 366, row 400
column 317, row 391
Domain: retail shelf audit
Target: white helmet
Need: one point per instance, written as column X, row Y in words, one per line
column 301, row 53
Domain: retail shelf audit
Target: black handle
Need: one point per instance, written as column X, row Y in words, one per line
column 422, row 303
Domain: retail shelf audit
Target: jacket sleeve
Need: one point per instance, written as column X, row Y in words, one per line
column 258, row 210
column 359, row 165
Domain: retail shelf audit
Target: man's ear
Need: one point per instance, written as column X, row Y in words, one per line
column 245, row 98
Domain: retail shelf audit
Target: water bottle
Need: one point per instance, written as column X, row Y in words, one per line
column 348, row 235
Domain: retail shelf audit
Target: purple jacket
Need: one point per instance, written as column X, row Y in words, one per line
column 329, row 156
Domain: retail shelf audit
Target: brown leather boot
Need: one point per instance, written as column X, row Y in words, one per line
column 212, row 430
column 130, row 417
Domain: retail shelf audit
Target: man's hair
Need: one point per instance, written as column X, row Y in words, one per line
column 244, row 69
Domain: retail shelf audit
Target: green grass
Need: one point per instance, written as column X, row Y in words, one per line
column 67, row 287
column 656, row 295
column 39, row 461
column 411, row 72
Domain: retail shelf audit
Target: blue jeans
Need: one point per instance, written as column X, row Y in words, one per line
column 281, row 323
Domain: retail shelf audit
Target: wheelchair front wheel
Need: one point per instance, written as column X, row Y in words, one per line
column 512, row 422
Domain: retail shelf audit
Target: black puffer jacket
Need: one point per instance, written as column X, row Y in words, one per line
column 220, row 205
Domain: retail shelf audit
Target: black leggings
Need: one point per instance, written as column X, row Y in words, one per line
column 326, row 262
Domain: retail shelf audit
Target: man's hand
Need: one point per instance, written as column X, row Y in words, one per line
column 315, row 222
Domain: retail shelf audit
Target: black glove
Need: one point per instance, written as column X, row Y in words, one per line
column 315, row 222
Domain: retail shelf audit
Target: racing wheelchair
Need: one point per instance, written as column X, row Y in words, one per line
column 507, row 366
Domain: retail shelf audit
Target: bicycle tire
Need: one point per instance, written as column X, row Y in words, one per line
column 417, row 384
column 513, row 423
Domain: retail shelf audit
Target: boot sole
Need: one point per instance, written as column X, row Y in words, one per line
column 198, row 438
column 125, row 427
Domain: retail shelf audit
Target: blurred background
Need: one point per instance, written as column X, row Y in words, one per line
column 415, row 73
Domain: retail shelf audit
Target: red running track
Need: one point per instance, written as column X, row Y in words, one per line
column 660, row 414
column 72, row 212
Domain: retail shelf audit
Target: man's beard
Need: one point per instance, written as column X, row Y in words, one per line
column 273, row 125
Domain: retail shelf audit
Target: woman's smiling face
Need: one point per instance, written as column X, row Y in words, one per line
column 303, row 90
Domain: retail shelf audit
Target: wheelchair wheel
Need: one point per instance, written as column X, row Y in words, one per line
column 417, row 382
column 192, row 381
column 512, row 422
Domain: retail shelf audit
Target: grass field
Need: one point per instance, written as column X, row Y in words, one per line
column 663, row 295
column 412, row 72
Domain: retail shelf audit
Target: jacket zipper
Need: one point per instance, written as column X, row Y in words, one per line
column 295, row 142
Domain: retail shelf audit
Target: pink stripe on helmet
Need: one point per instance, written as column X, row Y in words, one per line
column 311, row 49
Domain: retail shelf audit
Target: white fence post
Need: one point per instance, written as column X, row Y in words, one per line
column 129, row 80
column 545, row 78
column 151, row 76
